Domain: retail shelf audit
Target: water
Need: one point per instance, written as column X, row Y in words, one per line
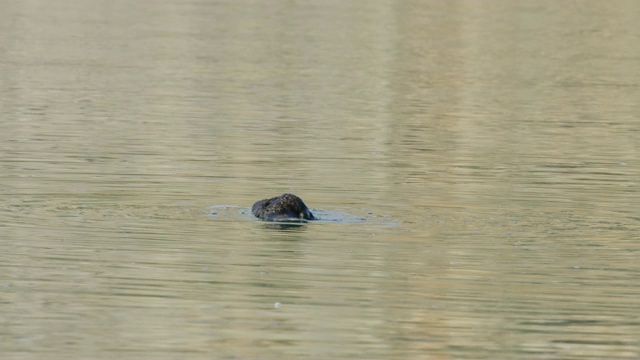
column 475, row 167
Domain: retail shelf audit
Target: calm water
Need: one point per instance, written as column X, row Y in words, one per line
column 476, row 166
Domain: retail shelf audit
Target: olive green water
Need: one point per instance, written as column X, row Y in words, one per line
column 476, row 166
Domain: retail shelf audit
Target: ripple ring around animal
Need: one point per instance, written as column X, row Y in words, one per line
column 286, row 207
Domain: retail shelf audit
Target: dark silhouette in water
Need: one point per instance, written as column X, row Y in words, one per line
column 286, row 207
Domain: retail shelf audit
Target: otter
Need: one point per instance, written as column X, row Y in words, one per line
column 286, row 207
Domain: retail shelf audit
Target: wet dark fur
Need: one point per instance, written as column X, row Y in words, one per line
column 286, row 207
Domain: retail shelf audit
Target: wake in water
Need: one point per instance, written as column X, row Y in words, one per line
column 240, row 213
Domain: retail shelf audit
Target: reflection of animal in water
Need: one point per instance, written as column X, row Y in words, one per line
column 286, row 207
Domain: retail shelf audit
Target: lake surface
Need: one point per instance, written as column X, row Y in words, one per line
column 475, row 165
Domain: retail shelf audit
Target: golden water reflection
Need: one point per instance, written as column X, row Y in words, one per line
column 476, row 166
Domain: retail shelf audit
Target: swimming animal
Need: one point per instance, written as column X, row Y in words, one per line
column 286, row 207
